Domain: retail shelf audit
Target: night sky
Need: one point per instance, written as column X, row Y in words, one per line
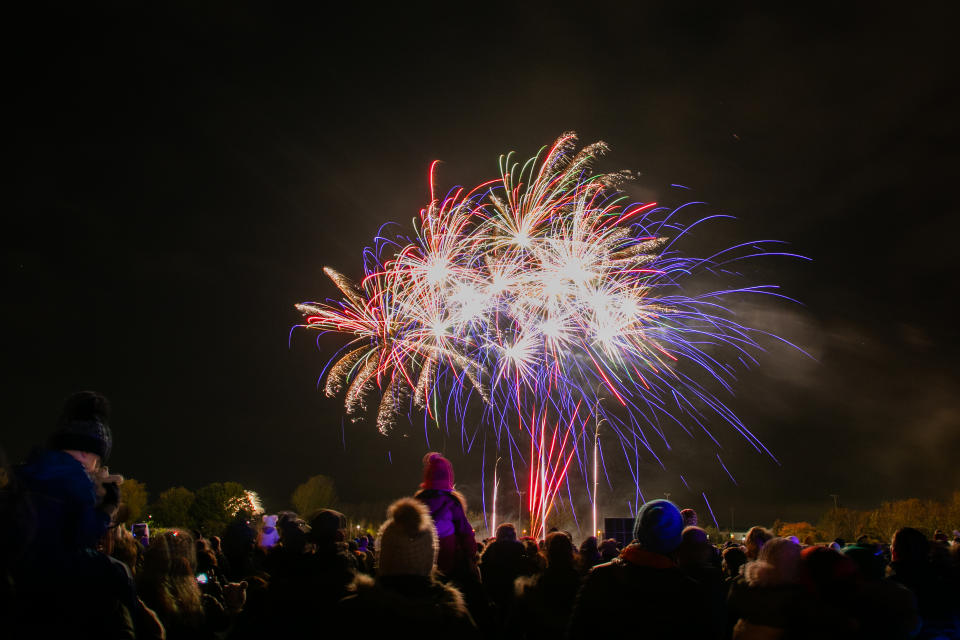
column 180, row 175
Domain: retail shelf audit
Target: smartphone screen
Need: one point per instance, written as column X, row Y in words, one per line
column 201, row 578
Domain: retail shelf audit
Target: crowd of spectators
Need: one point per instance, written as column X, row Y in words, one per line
column 70, row 571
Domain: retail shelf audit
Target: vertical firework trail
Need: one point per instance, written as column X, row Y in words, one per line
column 537, row 295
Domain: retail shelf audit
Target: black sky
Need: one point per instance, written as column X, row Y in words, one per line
column 181, row 174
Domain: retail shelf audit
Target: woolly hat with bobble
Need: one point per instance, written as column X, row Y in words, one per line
column 407, row 540
column 437, row 472
column 84, row 425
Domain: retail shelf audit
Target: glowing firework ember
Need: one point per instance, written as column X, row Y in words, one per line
column 249, row 502
column 542, row 292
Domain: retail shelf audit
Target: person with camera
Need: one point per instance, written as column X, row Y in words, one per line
column 63, row 583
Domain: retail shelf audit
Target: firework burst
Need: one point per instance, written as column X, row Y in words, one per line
column 541, row 292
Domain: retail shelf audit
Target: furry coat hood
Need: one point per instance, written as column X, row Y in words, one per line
column 414, row 603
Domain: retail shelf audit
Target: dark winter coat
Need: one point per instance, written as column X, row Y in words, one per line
column 544, row 602
column 786, row 611
column 938, row 596
column 304, row 586
column 639, row 595
column 62, row 584
column 406, row 607
column 885, row 610
column 714, row 593
column 64, row 502
column 502, row 562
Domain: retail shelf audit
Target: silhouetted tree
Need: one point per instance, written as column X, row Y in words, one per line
column 133, row 501
column 316, row 493
column 210, row 510
column 173, row 508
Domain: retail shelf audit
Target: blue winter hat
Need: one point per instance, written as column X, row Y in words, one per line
column 659, row 526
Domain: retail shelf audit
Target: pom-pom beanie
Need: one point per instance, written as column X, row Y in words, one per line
column 407, row 540
column 84, row 425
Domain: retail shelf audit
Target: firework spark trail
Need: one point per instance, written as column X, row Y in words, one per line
column 541, row 290
column 715, row 523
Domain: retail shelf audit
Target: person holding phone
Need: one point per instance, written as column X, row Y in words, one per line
column 63, row 584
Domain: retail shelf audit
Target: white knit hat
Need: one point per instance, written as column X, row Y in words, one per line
column 407, row 540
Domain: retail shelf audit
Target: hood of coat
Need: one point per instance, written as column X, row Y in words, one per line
column 410, row 597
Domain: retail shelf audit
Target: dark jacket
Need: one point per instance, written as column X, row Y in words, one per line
column 305, row 586
column 64, row 502
column 938, row 596
column 406, row 607
column 502, row 562
column 61, row 584
column 787, row 610
column 544, row 602
column 639, row 595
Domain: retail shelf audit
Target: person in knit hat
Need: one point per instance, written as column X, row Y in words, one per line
column 767, row 600
column 643, row 591
column 659, row 527
column 408, row 541
column 70, row 471
column 83, row 429
column 405, row 599
column 83, row 432
column 64, row 585
column 457, row 555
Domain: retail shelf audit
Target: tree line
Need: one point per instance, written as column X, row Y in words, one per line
column 211, row 508
column 878, row 524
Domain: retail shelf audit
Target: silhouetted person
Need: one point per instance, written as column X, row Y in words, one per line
column 695, row 558
column 63, row 585
column 733, row 560
column 938, row 597
column 589, row 554
column 831, row 578
column 168, row 585
column 404, row 600
column 503, row 561
column 769, row 601
column 754, row 540
column 643, row 593
column 544, row 601
column 457, row 556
